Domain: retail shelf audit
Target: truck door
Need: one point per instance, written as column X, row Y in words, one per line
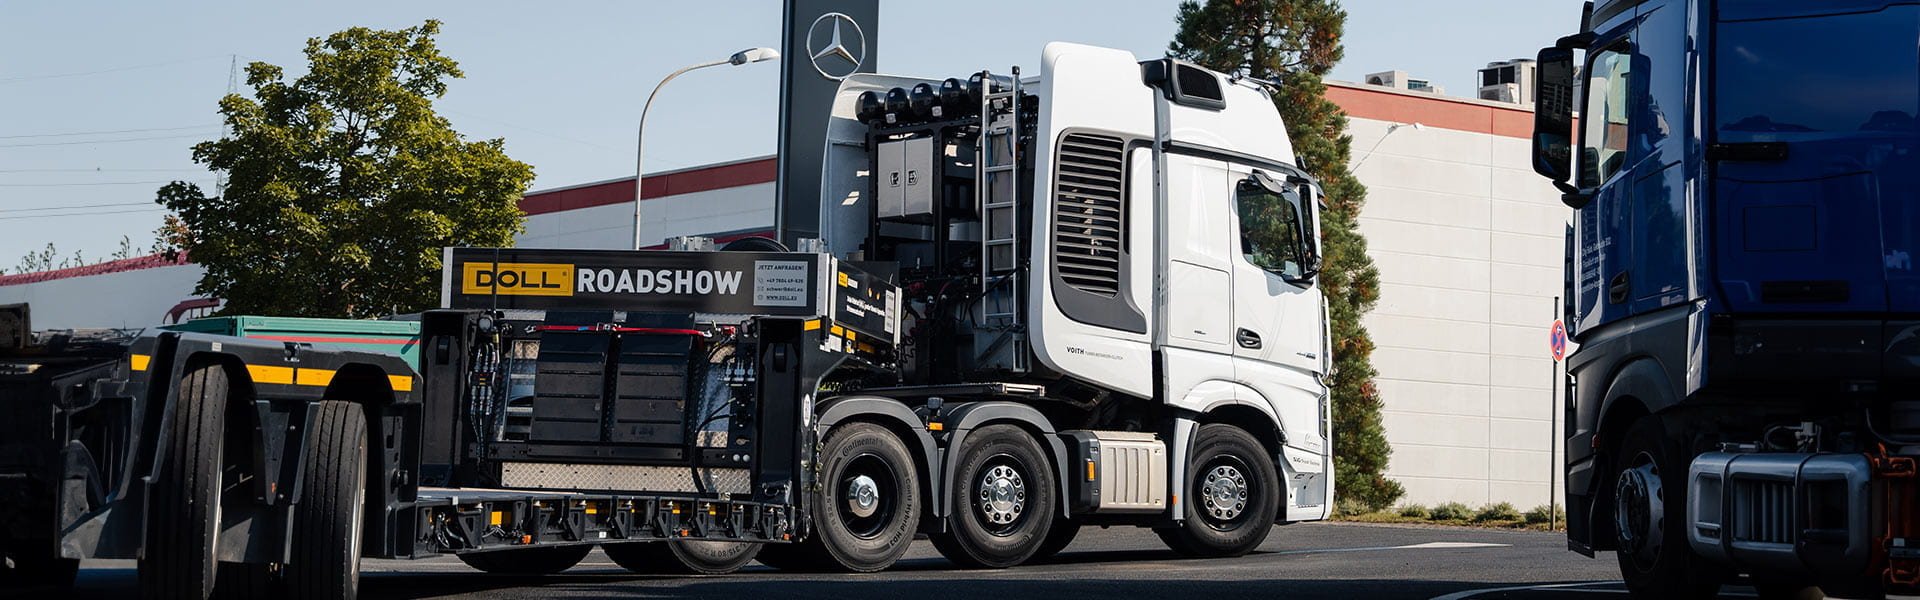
column 1277, row 309
column 1198, row 337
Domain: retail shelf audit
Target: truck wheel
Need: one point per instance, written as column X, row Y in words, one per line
column 183, row 518
column 1058, row 538
column 1650, row 496
column 527, row 561
column 327, row 521
column 868, row 502
column 1232, row 495
column 682, row 557
column 1003, row 500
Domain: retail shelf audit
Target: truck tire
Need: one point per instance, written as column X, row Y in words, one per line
column 183, row 518
column 867, row 504
column 682, row 558
column 327, row 521
column 1232, row 494
column 1003, row 500
column 527, row 561
column 1058, row 538
column 1650, row 493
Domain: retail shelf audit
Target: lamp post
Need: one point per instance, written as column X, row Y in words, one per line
column 750, row 55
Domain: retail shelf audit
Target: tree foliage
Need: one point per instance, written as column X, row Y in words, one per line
column 343, row 185
column 1296, row 42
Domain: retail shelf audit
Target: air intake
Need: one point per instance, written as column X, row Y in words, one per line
column 1089, row 212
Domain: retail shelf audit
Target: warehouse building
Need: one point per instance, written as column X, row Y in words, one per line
column 1468, row 241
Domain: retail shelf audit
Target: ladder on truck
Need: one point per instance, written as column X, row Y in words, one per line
column 997, row 191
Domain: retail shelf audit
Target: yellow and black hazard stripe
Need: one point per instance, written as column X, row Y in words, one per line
column 279, row 375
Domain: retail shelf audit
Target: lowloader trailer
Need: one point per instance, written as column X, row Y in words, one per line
column 1086, row 298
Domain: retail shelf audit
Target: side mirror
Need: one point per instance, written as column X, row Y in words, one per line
column 1553, row 97
column 1309, row 219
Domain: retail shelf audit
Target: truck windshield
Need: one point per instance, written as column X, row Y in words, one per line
column 1778, row 77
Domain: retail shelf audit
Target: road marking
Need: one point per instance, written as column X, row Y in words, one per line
column 1565, row 587
column 1518, row 588
column 1426, row 546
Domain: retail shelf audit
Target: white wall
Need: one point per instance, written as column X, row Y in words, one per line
column 125, row 299
column 1468, row 243
column 611, row 225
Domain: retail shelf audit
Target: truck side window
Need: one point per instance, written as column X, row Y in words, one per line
column 1269, row 229
column 1603, row 150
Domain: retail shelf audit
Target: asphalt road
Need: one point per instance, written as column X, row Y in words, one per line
column 1311, row 560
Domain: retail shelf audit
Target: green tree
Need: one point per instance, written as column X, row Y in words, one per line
column 343, row 184
column 1296, row 42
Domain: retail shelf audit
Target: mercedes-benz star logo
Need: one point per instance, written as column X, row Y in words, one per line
column 837, row 46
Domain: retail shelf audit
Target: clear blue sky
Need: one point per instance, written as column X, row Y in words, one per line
column 562, row 81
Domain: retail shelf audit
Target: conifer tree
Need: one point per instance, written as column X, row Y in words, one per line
column 1295, row 43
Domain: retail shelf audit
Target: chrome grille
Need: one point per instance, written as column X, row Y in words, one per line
column 1088, row 212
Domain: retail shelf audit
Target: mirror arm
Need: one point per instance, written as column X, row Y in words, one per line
column 1572, row 196
column 1578, row 41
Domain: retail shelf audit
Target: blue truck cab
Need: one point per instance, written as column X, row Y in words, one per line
column 1740, row 279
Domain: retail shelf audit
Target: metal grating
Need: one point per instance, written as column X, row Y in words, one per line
column 1088, row 212
column 1763, row 512
column 621, row 478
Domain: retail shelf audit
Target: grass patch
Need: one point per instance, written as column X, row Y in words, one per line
column 1540, row 515
column 1499, row 515
column 1451, row 511
column 1498, row 511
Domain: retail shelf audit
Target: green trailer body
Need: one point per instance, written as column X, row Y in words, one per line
column 400, row 338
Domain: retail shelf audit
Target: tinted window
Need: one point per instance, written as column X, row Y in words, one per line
column 1836, row 73
column 1603, row 148
column 1269, row 229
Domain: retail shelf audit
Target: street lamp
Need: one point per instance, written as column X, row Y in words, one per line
column 750, row 55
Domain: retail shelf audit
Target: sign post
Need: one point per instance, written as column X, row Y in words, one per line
column 825, row 41
column 1557, row 344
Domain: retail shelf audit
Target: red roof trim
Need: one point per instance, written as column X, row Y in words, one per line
column 658, row 186
column 113, row 266
column 1382, row 104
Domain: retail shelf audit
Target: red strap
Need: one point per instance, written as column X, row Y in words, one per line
column 640, row 330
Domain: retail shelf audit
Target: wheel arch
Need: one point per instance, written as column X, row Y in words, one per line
column 963, row 419
column 1637, row 390
column 897, row 418
column 393, row 446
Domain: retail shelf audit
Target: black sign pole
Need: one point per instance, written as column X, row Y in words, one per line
column 824, row 41
column 1553, row 430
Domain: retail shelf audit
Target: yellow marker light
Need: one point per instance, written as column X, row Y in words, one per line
column 936, row 426
column 400, row 383
column 1090, row 473
column 811, row 325
column 498, row 518
column 140, row 361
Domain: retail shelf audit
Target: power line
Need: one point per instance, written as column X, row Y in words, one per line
column 102, row 170
column 109, row 141
column 80, row 133
column 43, row 208
column 89, row 183
column 84, row 214
column 104, row 71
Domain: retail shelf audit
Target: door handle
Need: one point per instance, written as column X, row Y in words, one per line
column 1618, row 288
column 1247, row 338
